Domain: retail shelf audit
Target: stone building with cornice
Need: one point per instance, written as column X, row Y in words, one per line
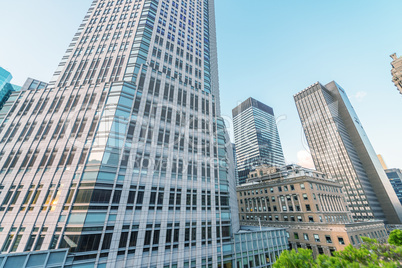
column 309, row 205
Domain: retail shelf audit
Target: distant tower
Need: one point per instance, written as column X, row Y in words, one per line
column 6, row 88
column 384, row 166
column 340, row 148
column 257, row 138
column 395, row 177
column 396, row 71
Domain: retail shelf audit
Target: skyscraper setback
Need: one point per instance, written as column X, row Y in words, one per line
column 123, row 158
column 256, row 136
column 341, row 149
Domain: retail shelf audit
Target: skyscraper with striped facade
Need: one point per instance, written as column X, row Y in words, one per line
column 257, row 138
column 123, row 158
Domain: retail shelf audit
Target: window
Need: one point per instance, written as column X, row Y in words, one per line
column 316, row 238
column 353, row 241
column 302, row 186
column 308, row 208
column 296, row 235
column 341, row 241
column 305, row 237
column 292, row 187
column 357, row 239
column 328, row 239
column 310, row 218
column 305, row 197
column 299, row 218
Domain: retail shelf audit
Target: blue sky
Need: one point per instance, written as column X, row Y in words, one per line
column 268, row 49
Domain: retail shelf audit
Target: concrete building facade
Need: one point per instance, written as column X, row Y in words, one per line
column 341, row 149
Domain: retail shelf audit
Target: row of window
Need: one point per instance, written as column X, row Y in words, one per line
column 291, row 187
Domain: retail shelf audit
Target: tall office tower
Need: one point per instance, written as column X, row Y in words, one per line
column 256, row 136
column 123, row 158
column 341, row 149
column 395, row 177
column 6, row 88
column 5, row 77
column 396, row 71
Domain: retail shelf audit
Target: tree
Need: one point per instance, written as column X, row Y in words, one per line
column 303, row 258
column 395, row 237
column 371, row 254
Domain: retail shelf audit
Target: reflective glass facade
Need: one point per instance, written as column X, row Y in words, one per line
column 341, row 149
column 259, row 247
column 5, row 87
column 123, row 158
column 256, row 136
column 5, row 77
column 395, row 177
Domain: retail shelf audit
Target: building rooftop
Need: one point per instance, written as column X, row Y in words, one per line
column 250, row 102
column 248, row 229
column 267, row 173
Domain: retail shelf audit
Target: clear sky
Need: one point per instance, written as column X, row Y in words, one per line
column 268, row 49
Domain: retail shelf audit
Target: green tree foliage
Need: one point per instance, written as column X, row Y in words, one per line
column 395, row 238
column 370, row 255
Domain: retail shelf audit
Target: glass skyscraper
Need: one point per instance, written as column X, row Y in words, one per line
column 341, row 149
column 123, row 158
column 6, row 88
column 395, row 177
column 5, row 77
column 256, row 136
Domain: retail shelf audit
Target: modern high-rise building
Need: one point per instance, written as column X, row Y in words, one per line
column 256, row 136
column 5, row 77
column 396, row 71
column 341, row 149
column 395, row 177
column 6, row 88
column 123, row 158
